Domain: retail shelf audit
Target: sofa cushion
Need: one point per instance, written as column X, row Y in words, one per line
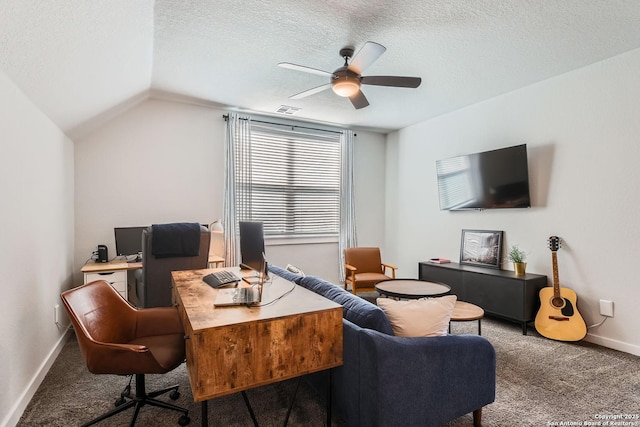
column 424, row 317
column 355, row 309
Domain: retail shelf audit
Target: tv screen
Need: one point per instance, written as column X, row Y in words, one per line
column 489, row 180
column 251, row 245
column 129, row 241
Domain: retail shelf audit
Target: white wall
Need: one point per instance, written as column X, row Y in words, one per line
column 158, row 162
column 36, row 249
column 162, row 161
column 582, row 132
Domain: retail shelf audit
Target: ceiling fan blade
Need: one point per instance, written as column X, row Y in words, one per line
column 367, row 55
column 304, row 69
column 310, row 92
column 359, row 100
column 395, row 81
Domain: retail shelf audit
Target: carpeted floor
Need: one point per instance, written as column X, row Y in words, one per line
column 70, row 395
column 539, row 383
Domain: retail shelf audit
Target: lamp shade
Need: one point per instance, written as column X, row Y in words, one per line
column 345, row 86
column 216, row 226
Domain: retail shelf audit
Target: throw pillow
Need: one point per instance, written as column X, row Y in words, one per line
column 295, row 270
column 424, row 317
column 285, row 274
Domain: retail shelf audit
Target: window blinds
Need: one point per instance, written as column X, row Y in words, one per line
column 288, row 178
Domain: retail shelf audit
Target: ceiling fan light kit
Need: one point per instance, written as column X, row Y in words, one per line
column 345, row 83
column 346, row 80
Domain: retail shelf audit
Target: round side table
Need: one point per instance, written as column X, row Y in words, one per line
column 411, row 288
column 467, row 312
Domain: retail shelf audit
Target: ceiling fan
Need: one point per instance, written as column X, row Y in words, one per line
column 346, row 80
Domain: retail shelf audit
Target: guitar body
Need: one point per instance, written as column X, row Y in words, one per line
column 562, row 324
column 558, row 317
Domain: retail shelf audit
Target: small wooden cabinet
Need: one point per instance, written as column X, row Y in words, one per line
column 116, row 278
column 499, row 292
column 115, row 272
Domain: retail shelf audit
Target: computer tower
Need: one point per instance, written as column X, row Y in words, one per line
column 102, row 254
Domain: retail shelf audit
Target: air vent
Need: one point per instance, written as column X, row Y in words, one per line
column 287, row 110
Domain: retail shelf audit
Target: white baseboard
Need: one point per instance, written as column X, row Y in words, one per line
column 18, row 408
column 614, row 344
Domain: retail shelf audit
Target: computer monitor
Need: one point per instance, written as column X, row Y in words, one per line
column 129, row 241
column 252, row 245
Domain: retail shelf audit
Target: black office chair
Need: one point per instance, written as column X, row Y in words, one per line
column 184, row 250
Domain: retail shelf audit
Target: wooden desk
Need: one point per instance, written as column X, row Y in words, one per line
column 114, row 265
column 232, row 349
column 114, row 272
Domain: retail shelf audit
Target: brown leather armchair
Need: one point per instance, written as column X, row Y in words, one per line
column 364, row 268
column 116, row 338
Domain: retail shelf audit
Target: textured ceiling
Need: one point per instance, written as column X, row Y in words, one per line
column 79, row 59
column 76, row 59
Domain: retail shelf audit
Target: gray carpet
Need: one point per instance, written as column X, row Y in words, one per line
column 539, row 382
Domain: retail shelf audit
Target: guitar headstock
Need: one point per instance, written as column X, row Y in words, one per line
column 554, row 243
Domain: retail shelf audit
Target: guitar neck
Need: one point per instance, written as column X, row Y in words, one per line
column 556, row 277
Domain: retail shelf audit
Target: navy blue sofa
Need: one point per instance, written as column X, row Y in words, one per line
column 396, row 381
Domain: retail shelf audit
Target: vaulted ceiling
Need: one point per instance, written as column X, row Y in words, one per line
column 78, row 59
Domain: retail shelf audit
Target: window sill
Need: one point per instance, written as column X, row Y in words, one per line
column 300, row 240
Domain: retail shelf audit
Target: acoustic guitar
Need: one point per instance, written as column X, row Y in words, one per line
column 558, row 317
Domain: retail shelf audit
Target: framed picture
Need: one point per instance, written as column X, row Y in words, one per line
column 482, row 248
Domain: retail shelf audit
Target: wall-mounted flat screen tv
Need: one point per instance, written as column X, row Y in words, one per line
column 489, row 180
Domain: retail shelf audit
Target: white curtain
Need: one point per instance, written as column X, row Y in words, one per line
column 238, row 131
column 347, row 200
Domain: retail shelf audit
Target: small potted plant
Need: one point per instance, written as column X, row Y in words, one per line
column 518, row 257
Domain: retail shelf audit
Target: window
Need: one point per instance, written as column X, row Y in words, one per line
column 288, row 178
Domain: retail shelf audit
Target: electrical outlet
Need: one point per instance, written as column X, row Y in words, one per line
column 56, row 314
column 606, row 308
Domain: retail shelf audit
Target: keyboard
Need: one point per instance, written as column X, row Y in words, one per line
column 243, row 295
column 220, row 278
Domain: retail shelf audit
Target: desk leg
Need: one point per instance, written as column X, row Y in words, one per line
column 329, row 396
column 293, row 399
column 251, row 413
column 204, row 414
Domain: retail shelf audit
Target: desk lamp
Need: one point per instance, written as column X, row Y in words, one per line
column 217, row 238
